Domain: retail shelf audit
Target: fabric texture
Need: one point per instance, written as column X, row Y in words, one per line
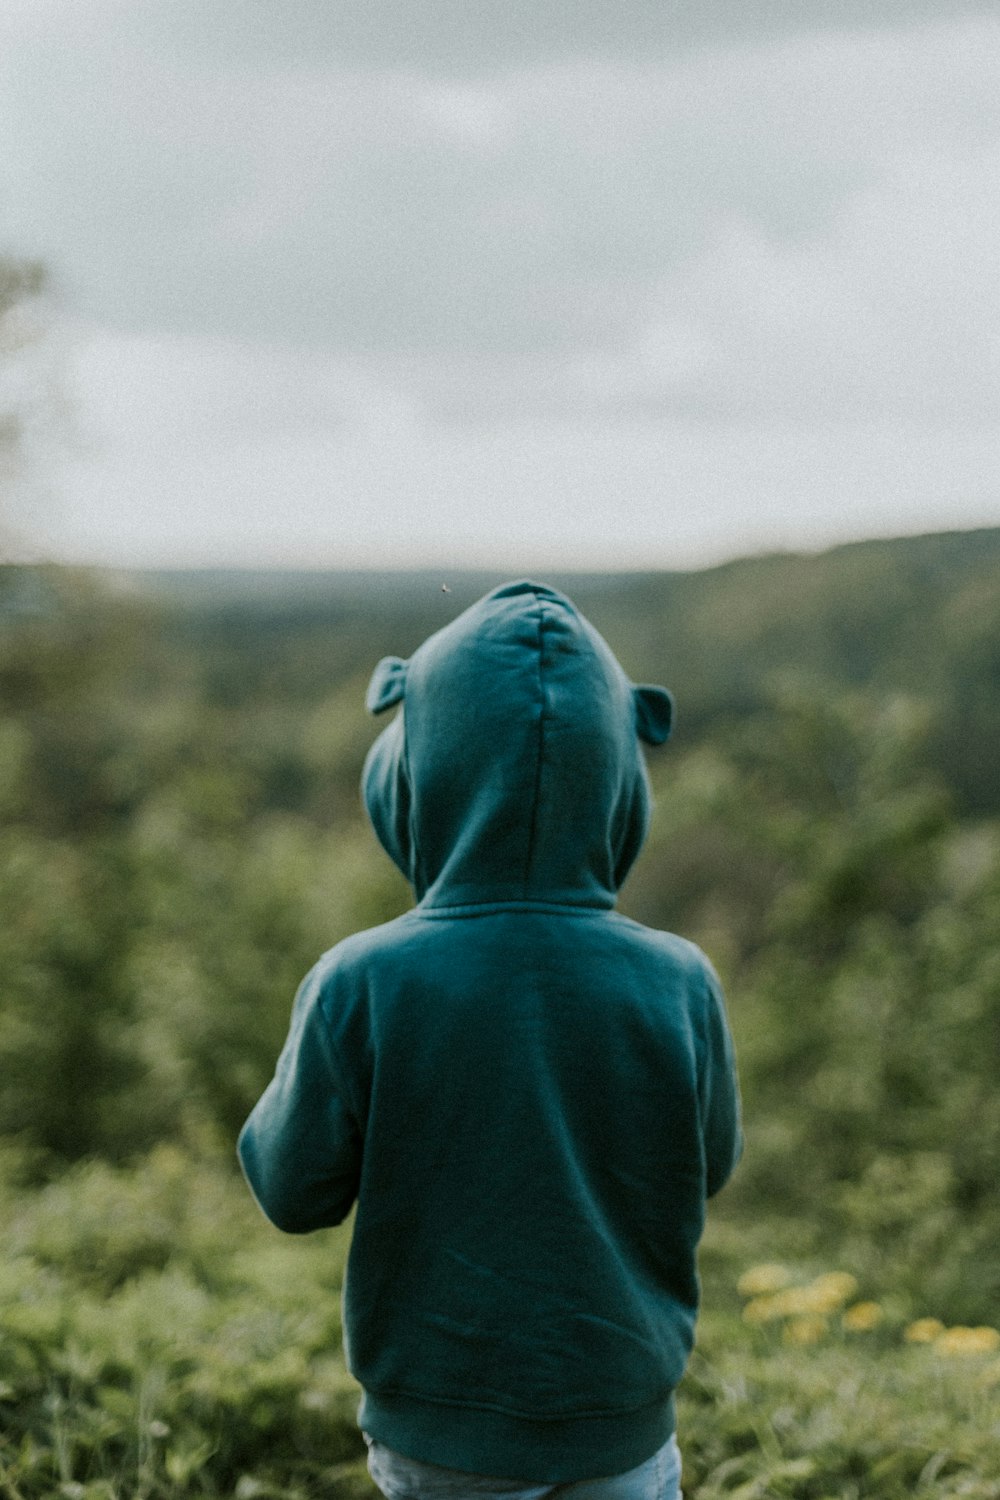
column 528, row 1096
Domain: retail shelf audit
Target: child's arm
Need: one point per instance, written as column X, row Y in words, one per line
column 720, row 1094
column 301, row 1147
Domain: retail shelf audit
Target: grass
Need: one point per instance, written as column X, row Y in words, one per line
column 160, row 1340
column 848, row 1417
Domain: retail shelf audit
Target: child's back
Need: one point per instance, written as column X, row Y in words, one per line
column 529, row 1096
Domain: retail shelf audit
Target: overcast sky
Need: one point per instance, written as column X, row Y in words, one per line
column 516, row 283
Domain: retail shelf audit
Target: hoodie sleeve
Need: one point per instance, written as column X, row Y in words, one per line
column 301, row 1147
column 719, row 1092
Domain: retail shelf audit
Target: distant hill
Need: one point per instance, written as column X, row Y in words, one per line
column 834, row 604
column 917, row 615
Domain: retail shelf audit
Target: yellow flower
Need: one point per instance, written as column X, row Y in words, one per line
column 760, row 1280
column 923, row 1331
column 761, row 1310
column 805, row 1330
column 803, row 1300
column 960, row 1341
column 825, row 1295
column 833, row 1289
column 790, row 1302
column 862, row 1317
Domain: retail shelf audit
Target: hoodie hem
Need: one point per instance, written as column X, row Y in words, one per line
column 508, row 1445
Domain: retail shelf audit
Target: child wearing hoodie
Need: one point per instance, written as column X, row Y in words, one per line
column 526, row 1097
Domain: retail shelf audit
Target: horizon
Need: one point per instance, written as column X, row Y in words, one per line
column 459, row 579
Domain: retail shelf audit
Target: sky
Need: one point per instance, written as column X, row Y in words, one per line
column 517, row 284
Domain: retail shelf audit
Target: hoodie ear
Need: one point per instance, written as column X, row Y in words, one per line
column 387, row 686
column 654, row 713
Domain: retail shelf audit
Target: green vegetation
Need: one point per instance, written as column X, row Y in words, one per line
column 161, row 1341
column 181, row 837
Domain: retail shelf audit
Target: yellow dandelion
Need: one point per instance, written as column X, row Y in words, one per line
column 788, row 1303
column 817, row 1299
column 804, row 1300
column 761, row 1310
column 833, row 1289
column 923, row 1331
column 960, row 1341
column 805, row 1330
column 862, row 1317
column 782, row 1304
column 759, row 1281
column 821, row 1297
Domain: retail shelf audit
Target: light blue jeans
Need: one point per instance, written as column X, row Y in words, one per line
column 399, row 1478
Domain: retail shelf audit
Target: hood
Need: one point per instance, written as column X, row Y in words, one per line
column 512, row 769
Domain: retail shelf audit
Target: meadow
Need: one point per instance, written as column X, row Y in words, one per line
column 161, row 1341
column 181, row 837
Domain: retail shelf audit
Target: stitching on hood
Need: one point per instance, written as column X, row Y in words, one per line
column 415, row 858
column 536, row 791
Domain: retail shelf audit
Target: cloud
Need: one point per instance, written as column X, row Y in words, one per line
column 159, row 395
column 685, row 277
column 452, row 38
column 180, row 470
column 35, row 20
column 565, row 211
column 894, row 311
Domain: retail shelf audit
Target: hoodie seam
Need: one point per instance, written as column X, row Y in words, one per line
column 415, row 873
column 568, row 1414
column 471, row 909
column 536, row 792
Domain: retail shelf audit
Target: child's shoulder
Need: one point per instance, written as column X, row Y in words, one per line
column 355, row 953
column 669, row 947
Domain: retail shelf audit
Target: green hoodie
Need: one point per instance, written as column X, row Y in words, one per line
column 528, row 1096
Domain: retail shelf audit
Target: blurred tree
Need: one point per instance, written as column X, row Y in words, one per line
column 181, row 836
column 21, row 285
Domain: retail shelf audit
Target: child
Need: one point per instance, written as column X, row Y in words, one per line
column 528, row 1096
